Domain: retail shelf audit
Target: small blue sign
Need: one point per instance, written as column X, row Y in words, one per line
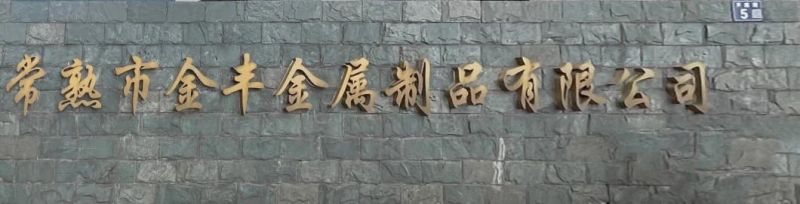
column 747, row 10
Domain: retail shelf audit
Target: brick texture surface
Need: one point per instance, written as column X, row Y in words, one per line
column 746, row 149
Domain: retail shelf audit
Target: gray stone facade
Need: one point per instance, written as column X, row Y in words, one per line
column 746, row 149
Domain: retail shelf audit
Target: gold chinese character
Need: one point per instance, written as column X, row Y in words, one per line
column 293, row 80
column 28, row 74
column 138, row 84
column 460, row 92
column 188, row 94
column 79, row 88
column 243, row 83
column 411, row 82
column 575, row 87
column 527, row 83
column 354, row 86
column 690, row 87
column 630, row 91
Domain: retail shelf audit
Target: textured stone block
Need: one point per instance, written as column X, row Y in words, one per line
column 400, row 172
column 728, row 33
column 542, row 11
column 324, row 33
column 601, row 33
column 768, row 33
column 440, row 33
column 256, row 193
column 462, row 11
column 469, row 148
column 156, row 171
column 661, row 56
column 739, row 80
column 422, row 11
column 334, row 148
column 623, row 10
column 360, row 171
column 582, row 11
column 476, row 33
column 781, row 11
column 220, row 148
column 649, row 33
column 466, row 193
column 69, row 11
column 281, row 33
column 135, row 193
column 342, row 11
column 499, row 55
column 241, row 33
column 298, row 193
column 13, row 33
column 501, row 11
column 224, row 11
column 402, row 33
column 84, row 33
column 567, row 172
column 261, row 148
column 319, row 171
column 45, row 34
column 185, row 12
column 93, row 193
column 663, row 11
column 711, row 56
column 389, row 11
column 779, row 55
column 520, row 33
column 480, row 172
column 35, row 171
column 682, row 33
column 744, row 56
column 147, row 11
column 264, row 11
column 561, row 33
column 710, row 11
column 380, row 149
column 381, row 193
column 339, row 193
column 303, row 10
column 178, row 193
column 97, row 148
column 422, row 194
column 30, row 11
column 366, row 33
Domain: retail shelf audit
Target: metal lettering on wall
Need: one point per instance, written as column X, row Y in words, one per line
column 575, row 89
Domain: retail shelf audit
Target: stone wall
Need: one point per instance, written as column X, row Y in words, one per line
column 746, row 149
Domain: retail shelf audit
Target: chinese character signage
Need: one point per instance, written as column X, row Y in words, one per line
column 574, row 88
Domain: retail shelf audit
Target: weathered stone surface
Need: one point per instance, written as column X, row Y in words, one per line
column 706, row 11
column 738, row 80
column 727, row 33
column 744, row 56
column 520, row 33
column 422, row 11
column 156, row 172
column 744, row 150
column 136, row 193
column 298, row 193
column 45, row 34
column 561, row 33
column 682, row 33
column 623, row 11
column 642, row 33
column 462, row 11
column 341, row 11
column 756, row 154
